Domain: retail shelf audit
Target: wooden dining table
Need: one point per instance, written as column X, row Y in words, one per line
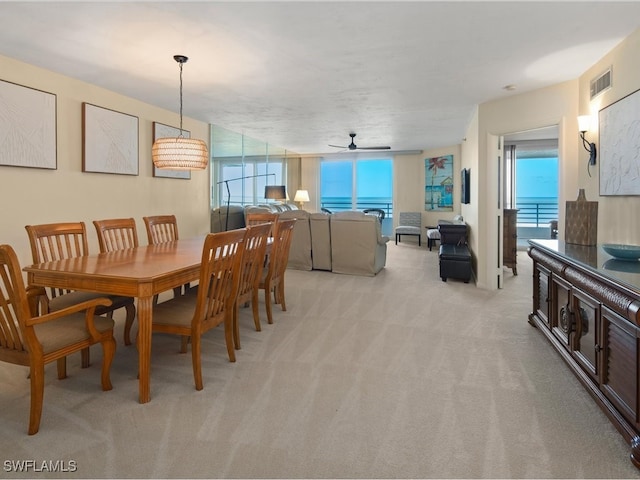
column 140, row 272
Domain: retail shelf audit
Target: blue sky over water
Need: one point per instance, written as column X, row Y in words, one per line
column 537, row 177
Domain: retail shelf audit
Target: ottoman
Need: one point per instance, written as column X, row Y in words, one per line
column 455, row 262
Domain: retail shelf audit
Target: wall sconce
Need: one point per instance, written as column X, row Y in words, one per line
column 584, row 122
column 301, row 197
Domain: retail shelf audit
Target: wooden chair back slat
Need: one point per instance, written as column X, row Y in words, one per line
column 161, row 229
column 57, row 241
column 116, row 234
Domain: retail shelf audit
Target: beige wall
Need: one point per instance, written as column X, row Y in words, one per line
column 555, row 105
column 618, row 216
column 409, row 182
column 33, row 196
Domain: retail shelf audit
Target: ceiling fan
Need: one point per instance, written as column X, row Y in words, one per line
column 353, row 146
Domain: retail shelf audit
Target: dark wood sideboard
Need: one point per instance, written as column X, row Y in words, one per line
column 587, row 304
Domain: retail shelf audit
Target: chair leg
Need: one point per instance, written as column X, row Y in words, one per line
column 256, row 312
column 36, row 376
column 267, row 303
column 228, row 337
column 184, row 341
column 236, row 327
column 108, row 351
column 86, row 358
column 62, row 367
column 195, row 360
column 131, row 315
column 280, row 290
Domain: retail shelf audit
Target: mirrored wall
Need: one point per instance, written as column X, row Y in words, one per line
column 242, row 166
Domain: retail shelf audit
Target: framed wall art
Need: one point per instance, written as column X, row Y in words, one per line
column 438, row 190
column 109, row 141
column 161, row 130
column 27, row 127
column 619, row 125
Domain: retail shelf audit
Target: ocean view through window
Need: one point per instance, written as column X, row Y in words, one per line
column 357, row 185
column 536, row 196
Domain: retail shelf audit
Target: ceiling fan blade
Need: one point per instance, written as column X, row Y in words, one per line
column 375, row 148
column 338, row 146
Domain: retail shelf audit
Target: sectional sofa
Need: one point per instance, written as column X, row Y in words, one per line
column 348, row 242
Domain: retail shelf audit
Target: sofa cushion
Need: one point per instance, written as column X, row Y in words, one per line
column 320, row 241
column 220, row 221
column 300, row 249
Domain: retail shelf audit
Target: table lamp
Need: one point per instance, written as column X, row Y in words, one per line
column 301, row 197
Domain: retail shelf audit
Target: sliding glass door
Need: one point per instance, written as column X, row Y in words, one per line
column 356, row 184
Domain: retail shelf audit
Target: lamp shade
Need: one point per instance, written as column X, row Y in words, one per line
column 179, row 153
column 584, row 122
column 275, row 192
column 301, row 196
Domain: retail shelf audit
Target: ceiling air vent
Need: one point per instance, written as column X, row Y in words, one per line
column 600, row 84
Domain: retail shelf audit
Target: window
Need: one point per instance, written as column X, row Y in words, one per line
column 357, row 184
column 246, row 179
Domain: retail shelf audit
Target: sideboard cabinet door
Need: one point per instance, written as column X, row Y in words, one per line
column 620, row 360
column 541, row 294
column 562, row 322
column 586, row 347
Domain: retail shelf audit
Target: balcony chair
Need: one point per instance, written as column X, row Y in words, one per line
column 378, row 212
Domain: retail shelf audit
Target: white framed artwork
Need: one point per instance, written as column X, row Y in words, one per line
column 27, row 127
column 109, row 141
column 619, row 150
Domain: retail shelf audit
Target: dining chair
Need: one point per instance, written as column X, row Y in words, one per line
column 59, row 241
column 273, row 276
column 193, row 315
column 163, row 229
column 255, row 246
column 256, row 218
column 31, row 340
column 116, row 234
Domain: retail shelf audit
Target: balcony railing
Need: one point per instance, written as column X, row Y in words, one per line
column 337, row 206
column 537, row 214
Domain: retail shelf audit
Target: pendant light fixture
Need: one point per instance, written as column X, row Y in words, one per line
column 180, row 153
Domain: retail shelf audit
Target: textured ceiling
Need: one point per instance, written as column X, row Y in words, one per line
column 302, row 75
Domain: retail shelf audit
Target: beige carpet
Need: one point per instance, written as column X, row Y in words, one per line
column 396, row 376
